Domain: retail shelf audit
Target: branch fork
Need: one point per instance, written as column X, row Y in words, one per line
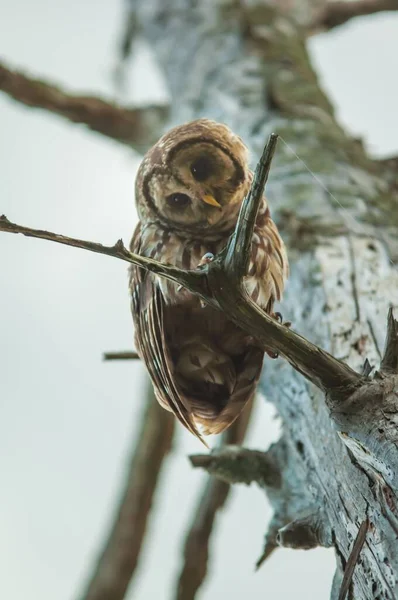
column 220, row 283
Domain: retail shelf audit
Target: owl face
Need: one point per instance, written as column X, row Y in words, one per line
column 194, row 178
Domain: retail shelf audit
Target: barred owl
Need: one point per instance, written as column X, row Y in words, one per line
column 189, row 189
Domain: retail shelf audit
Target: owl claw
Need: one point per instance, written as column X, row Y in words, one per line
column 206, row 259
column 278, row 317
column 180, row 287
column 202, row 304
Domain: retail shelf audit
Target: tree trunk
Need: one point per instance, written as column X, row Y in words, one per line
column 246, row 64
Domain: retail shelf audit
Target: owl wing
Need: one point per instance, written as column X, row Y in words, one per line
column 148, row 306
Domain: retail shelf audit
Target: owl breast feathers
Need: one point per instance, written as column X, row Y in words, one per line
column 189, row 189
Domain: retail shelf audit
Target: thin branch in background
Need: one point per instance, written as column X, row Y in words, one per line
column 119, row 558
column 211, row 499
column 127, row 355
column 136, row 127
column 340, row 12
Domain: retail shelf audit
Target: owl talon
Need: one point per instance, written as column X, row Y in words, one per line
column 180, row 287
column 278, row 317
column 272, row 354
column 202, row 304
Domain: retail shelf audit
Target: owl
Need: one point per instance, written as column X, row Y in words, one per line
column 189, row 189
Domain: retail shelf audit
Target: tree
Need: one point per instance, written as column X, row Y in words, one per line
column 334, row 468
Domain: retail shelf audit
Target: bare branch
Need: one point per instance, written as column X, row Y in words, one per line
column 217, row 285
column 127, row 355
column 340, row 12
column 136, row 127
column 210, row 501
column 119, row 558
column 190, row 279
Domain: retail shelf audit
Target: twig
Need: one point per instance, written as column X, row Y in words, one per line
column 136, row 127
column 121, row 355
column 269, row 547
column 270, row 543
column 119, row 557
column 340, row 12
column 216, row 285
column 353, row 558
column 189, row 279
column 211, row 500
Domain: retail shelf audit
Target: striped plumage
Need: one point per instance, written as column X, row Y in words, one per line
column 189, row 189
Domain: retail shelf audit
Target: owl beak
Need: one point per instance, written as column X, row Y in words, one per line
column 212, row 201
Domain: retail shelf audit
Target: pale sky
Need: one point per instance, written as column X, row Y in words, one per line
column 67, row 419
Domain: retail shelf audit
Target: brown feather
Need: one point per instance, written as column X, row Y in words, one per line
column 203, row 367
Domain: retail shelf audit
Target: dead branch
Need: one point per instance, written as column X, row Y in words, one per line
column 233, row 464
column 340, row 12
column 127, row 355
column 240, row 465
column 118, row 250
column 136, row 127
column 211, row 500
column 220, row 283
column 119, row 558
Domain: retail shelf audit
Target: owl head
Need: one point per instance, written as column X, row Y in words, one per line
column 194, row 179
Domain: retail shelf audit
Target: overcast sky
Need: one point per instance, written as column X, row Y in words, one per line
column 67, row 419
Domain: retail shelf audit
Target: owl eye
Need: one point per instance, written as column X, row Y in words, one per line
column 201, row 169
column 178, row 200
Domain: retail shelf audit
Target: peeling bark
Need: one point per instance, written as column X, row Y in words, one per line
column 338, row 464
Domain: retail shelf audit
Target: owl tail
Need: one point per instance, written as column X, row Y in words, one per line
column 216, row 385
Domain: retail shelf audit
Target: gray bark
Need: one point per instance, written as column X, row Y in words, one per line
column 246, row 64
